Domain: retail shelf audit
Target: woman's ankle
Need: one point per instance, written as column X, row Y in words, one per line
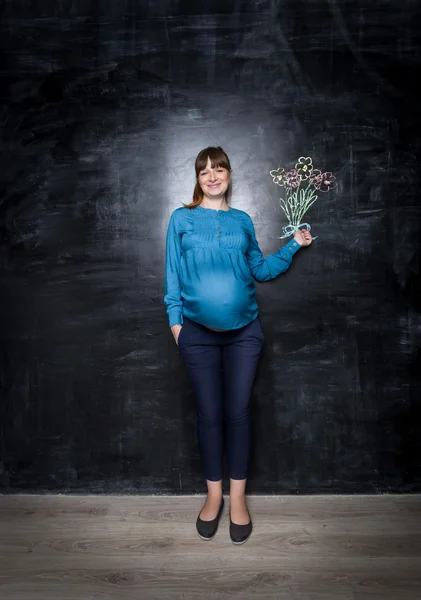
column 214, row 489
column 213, row 496
column 238, row 500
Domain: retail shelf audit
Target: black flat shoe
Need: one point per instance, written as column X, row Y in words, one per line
column 208, row 529
column 239, row 534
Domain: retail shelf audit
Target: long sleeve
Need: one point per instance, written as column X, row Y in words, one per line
column 172, row 297
column 264, row 269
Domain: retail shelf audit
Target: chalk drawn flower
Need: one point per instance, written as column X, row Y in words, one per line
column 325, row 182
column 315, row 177
column 292, row 178
column 278, row 176
column 304, row 167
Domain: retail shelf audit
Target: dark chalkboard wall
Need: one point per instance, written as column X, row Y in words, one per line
column 104, row 108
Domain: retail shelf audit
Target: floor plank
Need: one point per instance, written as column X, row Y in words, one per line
column 302, row 548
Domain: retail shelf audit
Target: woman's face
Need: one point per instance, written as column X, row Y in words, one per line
column 214, row 182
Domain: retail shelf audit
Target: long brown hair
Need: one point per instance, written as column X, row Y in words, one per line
column 218, row 158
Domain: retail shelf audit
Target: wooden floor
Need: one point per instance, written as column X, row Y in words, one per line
column 141, row 548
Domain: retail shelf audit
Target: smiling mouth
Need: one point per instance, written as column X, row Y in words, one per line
column 212, row 185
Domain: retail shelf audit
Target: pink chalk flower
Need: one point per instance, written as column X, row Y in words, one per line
column 292, row 178
column 315, row 177
column 325, row 182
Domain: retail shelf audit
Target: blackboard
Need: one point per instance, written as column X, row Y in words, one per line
column 104, row 108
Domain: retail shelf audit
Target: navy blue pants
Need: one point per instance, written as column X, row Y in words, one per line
column 221, row 368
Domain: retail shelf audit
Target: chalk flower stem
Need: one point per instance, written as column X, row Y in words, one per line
column 297, row 203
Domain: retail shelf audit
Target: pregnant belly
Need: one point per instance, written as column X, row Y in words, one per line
column 224, row 294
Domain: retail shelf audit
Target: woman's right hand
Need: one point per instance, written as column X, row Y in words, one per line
column 175, row 330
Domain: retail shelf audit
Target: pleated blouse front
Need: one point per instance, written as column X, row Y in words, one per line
column 212, row 262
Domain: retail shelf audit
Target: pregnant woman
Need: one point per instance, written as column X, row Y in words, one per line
column 212, row 261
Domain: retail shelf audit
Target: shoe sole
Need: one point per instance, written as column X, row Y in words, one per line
column 240, row 543
column 206, row 539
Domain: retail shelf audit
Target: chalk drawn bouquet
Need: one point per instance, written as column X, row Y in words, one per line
column 302, row 185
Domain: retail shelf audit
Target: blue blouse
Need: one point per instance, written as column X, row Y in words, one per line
column 212, row 260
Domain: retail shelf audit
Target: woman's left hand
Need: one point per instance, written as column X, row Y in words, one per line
column 303, row 237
